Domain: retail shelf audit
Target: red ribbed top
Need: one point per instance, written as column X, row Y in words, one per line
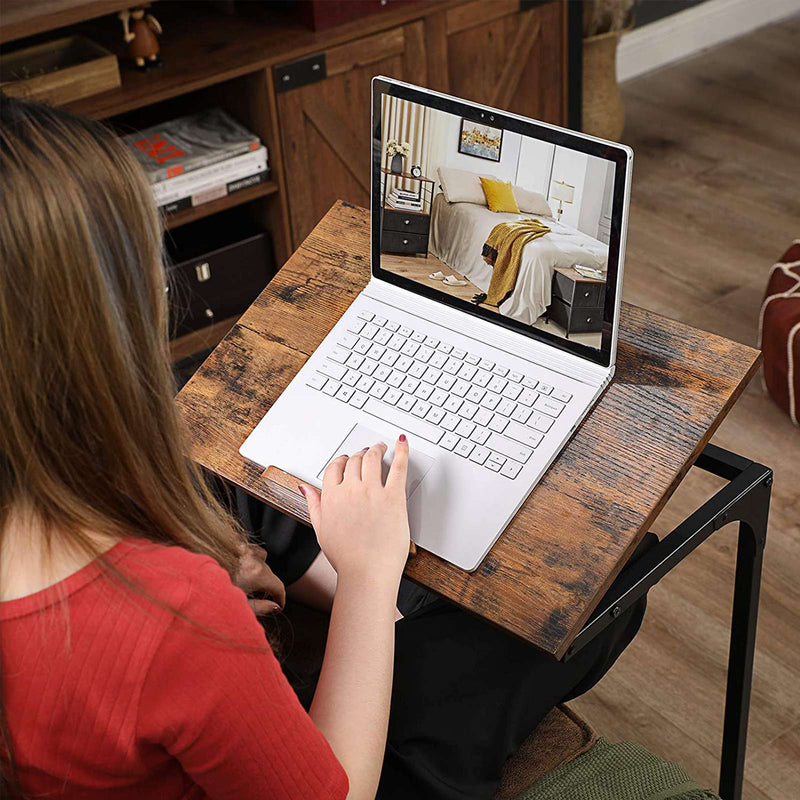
column 109, row 695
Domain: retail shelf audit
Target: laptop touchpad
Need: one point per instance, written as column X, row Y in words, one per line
column 361, row 437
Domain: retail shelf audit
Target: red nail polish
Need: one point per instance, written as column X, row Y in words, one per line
column 302, row 490
column 402, row 437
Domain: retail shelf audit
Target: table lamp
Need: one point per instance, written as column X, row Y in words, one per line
column 564, row 193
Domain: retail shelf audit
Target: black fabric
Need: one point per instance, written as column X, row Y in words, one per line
column 465, row 694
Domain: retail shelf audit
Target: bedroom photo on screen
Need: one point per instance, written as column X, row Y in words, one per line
column 520, row 228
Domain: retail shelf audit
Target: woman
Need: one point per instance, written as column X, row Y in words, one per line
column 132, row 665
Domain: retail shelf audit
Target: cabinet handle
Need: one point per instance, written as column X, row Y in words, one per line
column 209, row 313
column 586, row 294
column 588, row 319
column 405, row 241
column 406, row 221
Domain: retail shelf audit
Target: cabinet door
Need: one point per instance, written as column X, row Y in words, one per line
column 325, row 126
column 508, row 54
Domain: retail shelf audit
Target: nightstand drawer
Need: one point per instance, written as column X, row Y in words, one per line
column 401, row 242
column 406, row 222
column 578, row 293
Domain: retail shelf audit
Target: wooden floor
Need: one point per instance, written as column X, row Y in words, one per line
column 716, row 200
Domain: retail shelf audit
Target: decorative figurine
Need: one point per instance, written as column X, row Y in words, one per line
column 142, row 42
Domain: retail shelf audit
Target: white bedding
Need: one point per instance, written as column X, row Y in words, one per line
column 459, row 230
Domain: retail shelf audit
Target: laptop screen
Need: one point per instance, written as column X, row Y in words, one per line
column 509, row 219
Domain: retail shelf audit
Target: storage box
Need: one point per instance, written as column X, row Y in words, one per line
column 215, row 274
column 59, row 72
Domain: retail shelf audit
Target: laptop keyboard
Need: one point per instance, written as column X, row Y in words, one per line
column 480, row 410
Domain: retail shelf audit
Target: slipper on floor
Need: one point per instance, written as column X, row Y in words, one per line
column 451, row 280
column 436, row 276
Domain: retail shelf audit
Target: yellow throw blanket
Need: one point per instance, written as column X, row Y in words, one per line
column 503, row 251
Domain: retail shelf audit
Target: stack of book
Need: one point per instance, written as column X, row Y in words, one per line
column 198, row 158
column 404, row 200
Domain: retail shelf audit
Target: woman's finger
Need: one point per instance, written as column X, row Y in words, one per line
column 314, row 500
column 263, row 608
column 334, row 472
column 372, row 464
column 396, row 480
column 353, row 469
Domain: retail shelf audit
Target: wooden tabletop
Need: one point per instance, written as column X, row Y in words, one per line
column 673, row 386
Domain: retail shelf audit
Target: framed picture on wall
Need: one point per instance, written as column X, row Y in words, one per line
column 481, row 141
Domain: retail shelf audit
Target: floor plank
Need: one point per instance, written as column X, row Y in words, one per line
column 714, row 204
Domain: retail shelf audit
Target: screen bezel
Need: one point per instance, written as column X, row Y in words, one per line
column 553, row 135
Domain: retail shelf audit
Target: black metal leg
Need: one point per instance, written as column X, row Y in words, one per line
column 749, row 556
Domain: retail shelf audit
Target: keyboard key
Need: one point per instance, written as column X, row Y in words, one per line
column 467, row 371
column 365, row 383
column 435, row 415
column 409, row 348
column 406, row 402
column 354, row 360
column 510, row 469
column 464, row 448
column 316, row 380
column 523, row 434
column 545, row 388
column 515, row 376
column 483, row 416
column 501, row 371
column 421, row 408
column 348, row 340
column 465, row 428
column 405, row 331
column 467, row 410
column 331, row 387
column 351, row 378
column 432, row 341
column 379, row 390
column 382, row 372
column 529, row 383
column 490, row 401
column 362, row 346
column 541, row 422
column 366, row 315
column 424, row 354
column 460, row 388
column 482, row 378
column 355, row 326
column 423, row 391
column 506, row 407
column 339, row 354
column 472, row 359
column 452, row 366
column 403, row 363
column 390, row 357
column 409, row 384
column 453, row 404
column 480, row 435
column 493, row 466
column 418, row 336
column 392, row 396
column 358, row 399
column 379, row 321
column 332, row 370
column 498, row 423
column 438, row 397
column 475, row 394
column 449, row 441
column 376, row 351
column 509, row 448
column 496, row 458
column 406, row 422
column 521, row 414
column 479, row 455
column 393, row 326
column 497, row 384
column 417, row 370
column 450, row 422
column 446, row 382
column 369, row 366
column 459, row 353
column 344, row 393
column 396, row 379
column 527, row 397
column 396, row 342
column 486, row 364
column 512, row 391
column 548, row 405
column 382, row 336
column 369, row 330
column 431, row 376
column 438, row 360
column 558, row 394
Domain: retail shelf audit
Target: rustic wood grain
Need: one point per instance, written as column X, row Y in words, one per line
column 674, row 384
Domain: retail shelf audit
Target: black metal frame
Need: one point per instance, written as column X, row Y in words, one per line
column 745, row 499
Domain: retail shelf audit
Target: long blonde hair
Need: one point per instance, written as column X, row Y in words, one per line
column 90, row 437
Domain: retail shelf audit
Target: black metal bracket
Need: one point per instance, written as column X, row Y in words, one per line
column 300, row 72
column 745, row 499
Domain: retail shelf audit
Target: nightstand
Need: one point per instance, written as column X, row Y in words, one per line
column 577, row 302
column 405, row 231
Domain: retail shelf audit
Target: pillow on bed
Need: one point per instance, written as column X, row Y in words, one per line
column 499, row 196
column 532, row 202
column 460, row 186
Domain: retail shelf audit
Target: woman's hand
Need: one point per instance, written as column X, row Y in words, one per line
column 362, row 525
column 256, row 578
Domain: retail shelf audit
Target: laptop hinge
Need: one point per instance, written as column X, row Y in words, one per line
column 495, row 335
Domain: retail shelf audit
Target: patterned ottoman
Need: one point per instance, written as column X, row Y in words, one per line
column 779, row 332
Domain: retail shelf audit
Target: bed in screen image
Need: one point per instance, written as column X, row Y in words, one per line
column 513, row 224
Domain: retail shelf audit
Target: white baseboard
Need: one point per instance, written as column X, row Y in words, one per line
column 689, row 32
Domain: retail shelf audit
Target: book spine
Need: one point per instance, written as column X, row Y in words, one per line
column 209, row 193
column 186, row 185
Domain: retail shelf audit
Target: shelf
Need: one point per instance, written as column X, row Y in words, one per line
column 179, row 218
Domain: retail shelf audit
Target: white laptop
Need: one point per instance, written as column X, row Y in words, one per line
column 483, row 344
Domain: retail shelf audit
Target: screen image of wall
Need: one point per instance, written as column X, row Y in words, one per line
column 514, row 224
